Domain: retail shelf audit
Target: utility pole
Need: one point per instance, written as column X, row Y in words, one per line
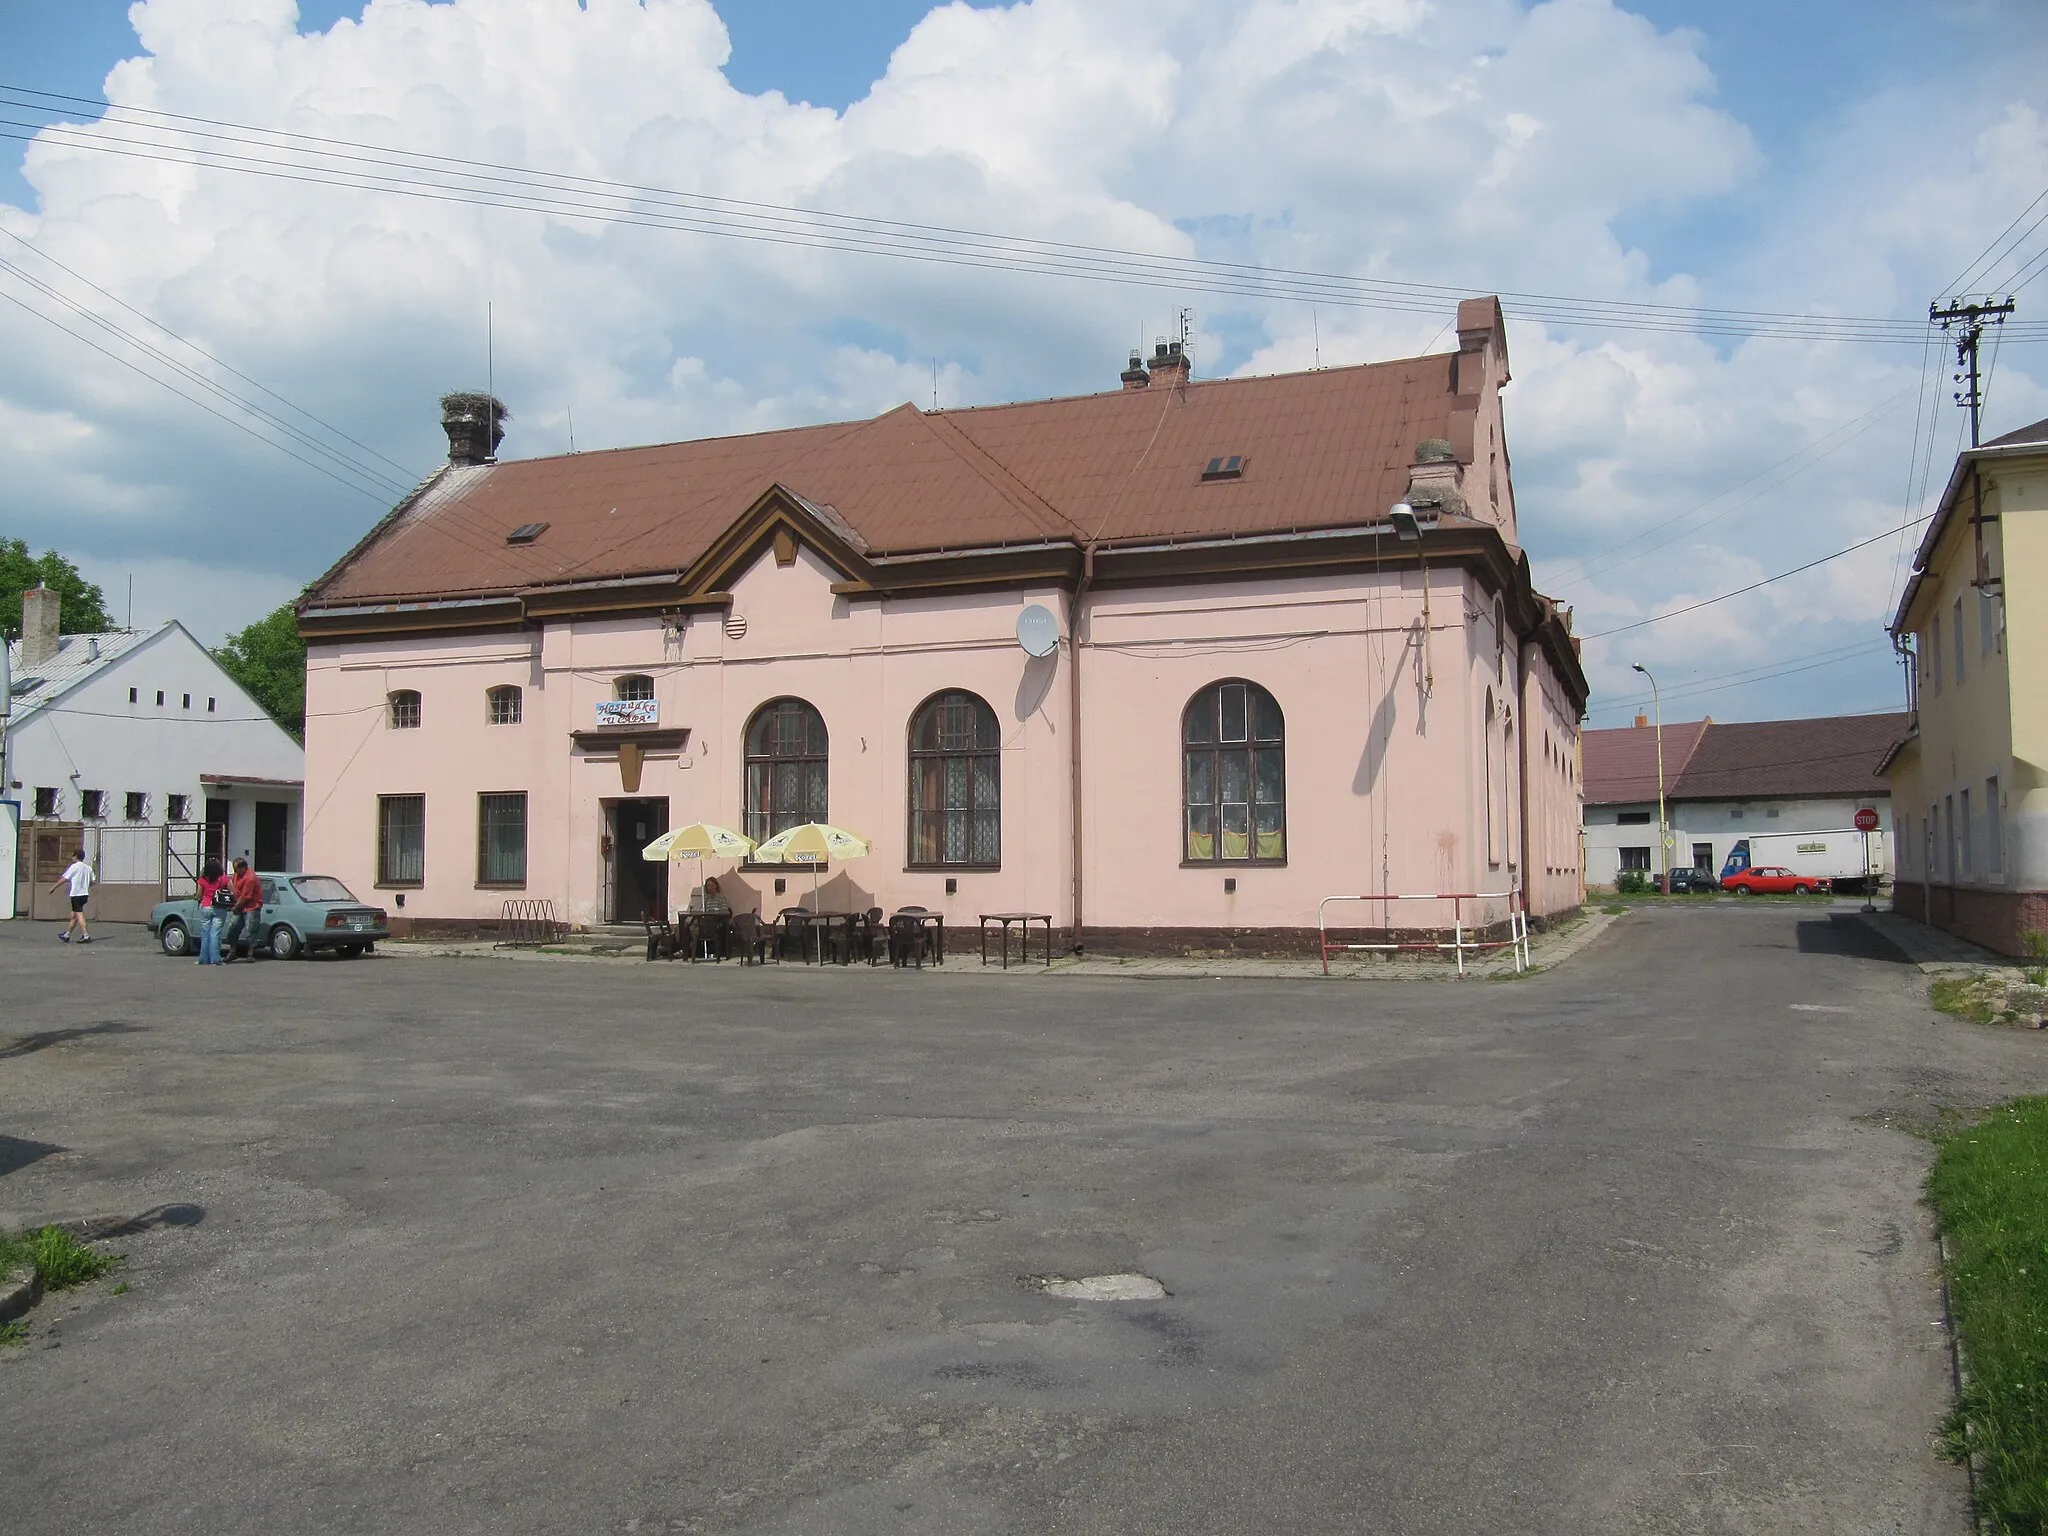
column 1663, row 818
column 1972, row 317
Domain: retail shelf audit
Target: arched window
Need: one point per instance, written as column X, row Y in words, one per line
column 1234, row 776
column 786, row 761
column 503, row 706
column 634, row 685
column 956, row 783
column 402, row 707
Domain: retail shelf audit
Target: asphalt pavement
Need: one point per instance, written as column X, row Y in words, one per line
column 463, row 1245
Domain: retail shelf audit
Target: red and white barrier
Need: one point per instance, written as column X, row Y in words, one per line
column 1518, row 925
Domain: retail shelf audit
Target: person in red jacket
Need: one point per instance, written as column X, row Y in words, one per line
column 248, row 912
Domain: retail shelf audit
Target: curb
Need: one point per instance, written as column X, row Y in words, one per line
column 20, row 1289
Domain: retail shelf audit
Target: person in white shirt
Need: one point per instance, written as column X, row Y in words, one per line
column 79, row 877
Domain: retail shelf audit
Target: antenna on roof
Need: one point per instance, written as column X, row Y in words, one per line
column 1315, row 320
column 935, row 383
column 131, row 601
column 490, row 382
column 1187, row 335
column 572, row 427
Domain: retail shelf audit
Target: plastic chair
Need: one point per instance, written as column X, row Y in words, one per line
column 752, row 938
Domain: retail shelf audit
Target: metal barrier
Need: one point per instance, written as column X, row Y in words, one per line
column 1517, row 938
column 528, row 922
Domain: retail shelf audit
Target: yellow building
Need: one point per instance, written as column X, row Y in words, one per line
column 1970, row 783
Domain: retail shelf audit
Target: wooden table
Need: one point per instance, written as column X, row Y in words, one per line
column 1024, row 920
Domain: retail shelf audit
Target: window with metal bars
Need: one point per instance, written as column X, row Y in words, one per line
column 787, row 752
column 501, row 839
column 635, row 685
column 503, row 706
column 956, row 784
column 1233, row 776
column 404, row 709
column 401, row 839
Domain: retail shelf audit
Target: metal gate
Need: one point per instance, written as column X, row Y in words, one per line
column 185, row 853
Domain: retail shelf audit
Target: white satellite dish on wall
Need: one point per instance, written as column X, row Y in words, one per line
column 1038, row 631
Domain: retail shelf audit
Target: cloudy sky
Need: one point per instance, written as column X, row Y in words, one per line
column 1831, row 159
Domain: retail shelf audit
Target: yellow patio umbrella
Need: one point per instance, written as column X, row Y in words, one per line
column 698, row 841
column 814, row 843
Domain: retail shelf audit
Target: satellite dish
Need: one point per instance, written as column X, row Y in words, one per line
column 1038, row 631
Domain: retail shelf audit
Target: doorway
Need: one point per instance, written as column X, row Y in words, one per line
column 271, row 817
column 217, row 829
column 638, row 889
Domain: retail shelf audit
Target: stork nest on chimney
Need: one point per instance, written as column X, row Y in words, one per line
column 472, row 405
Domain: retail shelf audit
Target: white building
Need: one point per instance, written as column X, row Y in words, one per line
column 1773, row 783
column 143, row 747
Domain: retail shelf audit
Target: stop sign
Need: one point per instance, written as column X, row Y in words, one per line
column 1866, row 820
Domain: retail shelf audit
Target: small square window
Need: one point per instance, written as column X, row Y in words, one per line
column 46, row 803
column 134, row 695
column 188, row 701
column 209, row 706
column 159, row 698
column 180, row 807
column 137, row 807
column 92, row 804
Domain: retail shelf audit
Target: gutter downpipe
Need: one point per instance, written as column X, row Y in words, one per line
column 1074, row 726
column 1522, row 709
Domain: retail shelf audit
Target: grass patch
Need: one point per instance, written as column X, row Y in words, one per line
column 1966, row 997
column 1989, row 1189
column 14, row 1332
column 61, row 1259
column 1614, row 909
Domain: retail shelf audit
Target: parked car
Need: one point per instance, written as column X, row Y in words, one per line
column 1687, row 881
column 1771, row 879
column 302, row 914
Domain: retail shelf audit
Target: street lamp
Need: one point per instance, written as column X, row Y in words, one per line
column 1663, row 826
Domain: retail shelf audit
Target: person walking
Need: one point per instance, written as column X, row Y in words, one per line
column 216, row 902
column 79, row 877
column 248, row 911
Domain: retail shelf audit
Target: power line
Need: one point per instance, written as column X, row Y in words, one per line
column 326, row 161
column 1754, row 585
column 1745, row 677
column 1955, row 285
column 1595, row 565
column 411, row 476
column 374, row 481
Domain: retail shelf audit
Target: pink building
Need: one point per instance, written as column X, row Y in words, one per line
column 1262, row 684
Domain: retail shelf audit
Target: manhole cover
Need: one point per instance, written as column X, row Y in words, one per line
column 1105, row 1288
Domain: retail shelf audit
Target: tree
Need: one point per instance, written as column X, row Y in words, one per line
column 269, row 659
column 83, row 609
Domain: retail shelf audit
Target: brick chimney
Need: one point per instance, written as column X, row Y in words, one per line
column 475, row 425
column 1642, row 721
column 1169, row 363
column 1135, row 376
column 40, row 608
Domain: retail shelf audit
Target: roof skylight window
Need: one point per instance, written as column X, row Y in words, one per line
column 1220, row 468
column 526, row 533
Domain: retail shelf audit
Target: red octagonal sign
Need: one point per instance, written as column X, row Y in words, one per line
column 1866, row 820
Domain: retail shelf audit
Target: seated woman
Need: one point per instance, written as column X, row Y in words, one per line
column 706, row 898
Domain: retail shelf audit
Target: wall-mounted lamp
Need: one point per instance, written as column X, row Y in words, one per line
column 401, row 898
column 1406, row 526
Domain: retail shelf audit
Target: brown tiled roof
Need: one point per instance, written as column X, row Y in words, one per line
column 1323, row 449
column 1836, row 755
column 1620, row 765
column 2037, row 433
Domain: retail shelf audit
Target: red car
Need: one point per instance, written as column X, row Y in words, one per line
column 1770, row 879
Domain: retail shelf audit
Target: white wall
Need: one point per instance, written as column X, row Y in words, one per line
column 93, row 737
column 1723, row 823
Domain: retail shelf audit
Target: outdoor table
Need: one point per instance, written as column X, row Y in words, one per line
column 1024, row 920
column 706, row 931
column 923, row 920
column 817, row 923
